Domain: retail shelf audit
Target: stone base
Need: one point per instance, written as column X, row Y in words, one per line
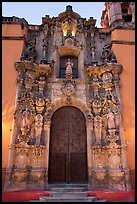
column 111, row 179
column 18, row 179
column 99, row 179
column 37, row 179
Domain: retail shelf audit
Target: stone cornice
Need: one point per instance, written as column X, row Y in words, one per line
column 114, row 68
column 122, row 42
column 13, row 38
column 37, row 68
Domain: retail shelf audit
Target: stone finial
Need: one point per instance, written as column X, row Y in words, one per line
column 69, row 8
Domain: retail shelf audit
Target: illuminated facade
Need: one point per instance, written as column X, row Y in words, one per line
column 69, row 105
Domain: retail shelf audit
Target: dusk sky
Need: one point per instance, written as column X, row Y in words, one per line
column 34, row 11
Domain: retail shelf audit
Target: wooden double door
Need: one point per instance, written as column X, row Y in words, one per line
column 68, row 147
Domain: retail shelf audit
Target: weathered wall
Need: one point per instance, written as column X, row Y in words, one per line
column 11, row 51
column 124, row 49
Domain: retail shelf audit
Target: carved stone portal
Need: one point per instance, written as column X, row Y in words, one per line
column 41, row 91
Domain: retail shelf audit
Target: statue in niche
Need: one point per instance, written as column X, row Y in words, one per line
column 111, row 119
column 93, row 53
column 70, row 27
column 97, row 103
column 69, row 66
column 98, row 128
column 25, row 124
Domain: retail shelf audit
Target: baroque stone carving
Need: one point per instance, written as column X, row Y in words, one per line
column 30, row 52
column 68, row 86
column 38, row 128
column 40, row 103
column 107, row 55
column 111, row 119
column 40, row 93
column 98, row 128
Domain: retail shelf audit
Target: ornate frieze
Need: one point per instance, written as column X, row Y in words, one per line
column 36, row 68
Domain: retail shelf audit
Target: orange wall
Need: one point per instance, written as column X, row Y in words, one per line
column 125, row 55
column 11, row 52
column 13, row 30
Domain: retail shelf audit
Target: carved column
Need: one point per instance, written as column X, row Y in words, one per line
column 47, row 125
column 110, row 167
column 89, row 125
column 26, row 168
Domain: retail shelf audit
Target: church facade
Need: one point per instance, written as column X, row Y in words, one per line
column 68, row 119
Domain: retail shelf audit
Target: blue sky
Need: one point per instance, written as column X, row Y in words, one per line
column 34, row 11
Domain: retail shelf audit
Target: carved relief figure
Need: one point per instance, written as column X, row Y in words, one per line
column 111, row 119
column 107, row 77
column 69, row 28
column 97, row 102
column 25, row 119
column 98, row 128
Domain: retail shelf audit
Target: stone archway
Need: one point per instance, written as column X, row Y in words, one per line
column 57, row 104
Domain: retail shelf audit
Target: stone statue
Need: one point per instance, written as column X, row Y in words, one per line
column 69, row 66
column 98, row 128
column 25, row 119
column 111, row 119
column 70, row 28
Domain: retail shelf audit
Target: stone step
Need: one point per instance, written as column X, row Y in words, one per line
column 69, row 201
column 68, row 198
column 36, row 201
column 63, row 194
column 101, row 200
column 68, row 189
column 68, row 186
column 68, row 193
column 98, row 200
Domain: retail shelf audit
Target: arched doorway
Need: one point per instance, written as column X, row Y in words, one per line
column 68, row 147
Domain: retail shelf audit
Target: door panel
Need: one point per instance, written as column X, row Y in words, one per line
column 68, row 146
column 78, row 167
column 58, row 168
